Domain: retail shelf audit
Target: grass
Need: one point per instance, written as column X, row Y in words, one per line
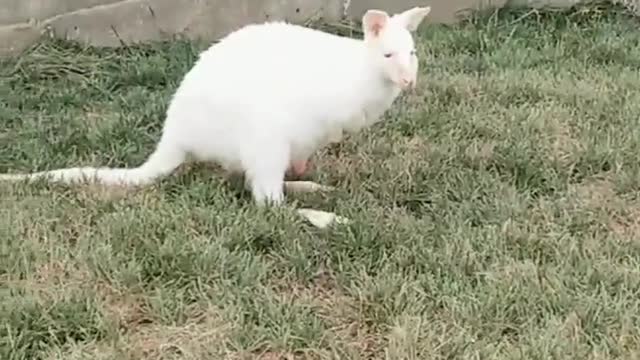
column 496, row 212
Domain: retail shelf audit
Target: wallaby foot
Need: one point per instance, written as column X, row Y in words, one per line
column 322, row 219
column 318, row 218
column 305, row 187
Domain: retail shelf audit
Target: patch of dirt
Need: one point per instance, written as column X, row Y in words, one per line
column 98, row 119
column 201, row 338
column 514, row 272
column 564, row 147
column 598, row 194
column 594, row 193
column 59, row 273
column 339, row 311
column 561, row 145
column 627, row 225
column 409, row 148
column 404, row 339
column 276, row 356
column 480, row 152
column 93, row 351
column 106, row 193
column 52, row 281
column 125, row 309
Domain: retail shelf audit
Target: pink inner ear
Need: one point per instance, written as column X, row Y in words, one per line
column 376, row 21
column 376, row 28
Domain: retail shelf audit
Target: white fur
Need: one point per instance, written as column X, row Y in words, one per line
column 271, row 94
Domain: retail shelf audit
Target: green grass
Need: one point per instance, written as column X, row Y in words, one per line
column 496, row 212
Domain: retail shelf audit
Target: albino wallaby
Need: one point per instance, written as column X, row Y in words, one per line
column 267, row 96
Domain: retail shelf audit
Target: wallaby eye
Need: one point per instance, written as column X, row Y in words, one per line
column 388, row 55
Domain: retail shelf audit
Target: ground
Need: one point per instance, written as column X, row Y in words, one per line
column 496, row 212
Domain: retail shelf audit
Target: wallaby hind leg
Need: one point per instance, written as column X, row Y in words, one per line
column 264, row 191
column 265, row 180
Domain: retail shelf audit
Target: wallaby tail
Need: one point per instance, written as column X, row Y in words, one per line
column 164, row 160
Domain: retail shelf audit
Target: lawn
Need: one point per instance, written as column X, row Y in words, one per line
column 496, row 212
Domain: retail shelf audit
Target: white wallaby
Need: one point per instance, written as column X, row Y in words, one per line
column 267, row 96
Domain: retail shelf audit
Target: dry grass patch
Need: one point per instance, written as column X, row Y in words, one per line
column 598, row 194
column 201, row 338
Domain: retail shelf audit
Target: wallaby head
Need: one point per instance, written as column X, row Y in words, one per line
column 390, row 42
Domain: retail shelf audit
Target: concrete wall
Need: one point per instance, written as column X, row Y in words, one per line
column 113, row 22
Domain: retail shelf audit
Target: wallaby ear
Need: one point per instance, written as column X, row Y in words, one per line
column 374, row 21
column 412, row 18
